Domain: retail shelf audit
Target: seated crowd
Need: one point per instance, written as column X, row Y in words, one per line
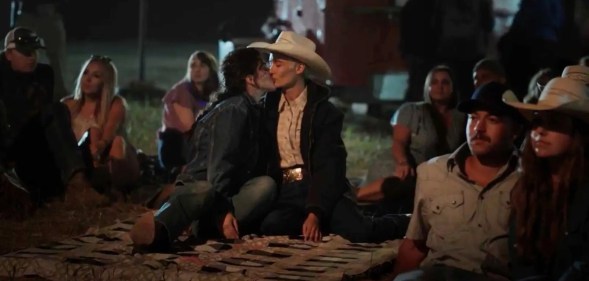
column 496, row 188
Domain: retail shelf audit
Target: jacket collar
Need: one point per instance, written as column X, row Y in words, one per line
column 315, row 94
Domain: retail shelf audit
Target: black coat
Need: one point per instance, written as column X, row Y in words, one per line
column 22, row 95
column 571, row 260
column 322, row 148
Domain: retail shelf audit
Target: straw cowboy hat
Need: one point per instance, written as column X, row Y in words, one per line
column 561, row 94
column 300, row 48
column 577, row 72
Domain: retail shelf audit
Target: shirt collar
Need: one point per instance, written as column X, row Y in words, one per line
column 253, row 101
column 299, row 102
column 458, row 158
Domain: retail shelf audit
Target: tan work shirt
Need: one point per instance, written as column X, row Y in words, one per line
column 461, row 221
column 289, row 130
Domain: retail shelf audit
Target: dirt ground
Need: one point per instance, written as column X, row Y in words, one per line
column 59, row 222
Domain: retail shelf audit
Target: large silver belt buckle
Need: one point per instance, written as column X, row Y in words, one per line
column 292, row 175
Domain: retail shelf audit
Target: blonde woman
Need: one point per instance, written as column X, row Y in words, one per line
column 96, row 109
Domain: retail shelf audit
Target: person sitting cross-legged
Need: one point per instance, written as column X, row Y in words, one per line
column 223, row 181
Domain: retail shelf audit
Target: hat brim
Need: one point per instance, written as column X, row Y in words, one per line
column 24, row 48
column 470, row 106
column 315, row 63
column 578, row 109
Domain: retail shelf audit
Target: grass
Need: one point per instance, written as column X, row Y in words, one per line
column 165, row 65
column 363, row 139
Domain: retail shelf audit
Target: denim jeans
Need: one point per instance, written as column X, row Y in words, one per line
column 442, row 273
column 288, row 213
column 194, row 200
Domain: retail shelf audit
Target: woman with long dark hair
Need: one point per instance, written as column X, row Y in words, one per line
column 182, row 104
column 550, row 218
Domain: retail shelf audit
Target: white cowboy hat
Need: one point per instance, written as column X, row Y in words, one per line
column 300, row 48
column 561, row 94
column 577, row 72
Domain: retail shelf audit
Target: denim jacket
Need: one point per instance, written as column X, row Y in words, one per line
column 224, row 147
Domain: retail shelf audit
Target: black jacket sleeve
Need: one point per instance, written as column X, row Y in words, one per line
column 328, row 161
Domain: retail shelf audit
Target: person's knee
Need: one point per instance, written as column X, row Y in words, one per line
column 204, row 191
column 265, row 189
column 117, row 150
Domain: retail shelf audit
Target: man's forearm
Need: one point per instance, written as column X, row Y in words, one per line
column 411, row 254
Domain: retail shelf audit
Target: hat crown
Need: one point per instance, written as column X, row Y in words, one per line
column 300, row 48
column 488, row 97
column 577, row 72
column 491, row 91
column 23, row 37
column 292, row 38
column 563, row 90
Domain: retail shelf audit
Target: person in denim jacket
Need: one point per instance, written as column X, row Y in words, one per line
column 222, row 182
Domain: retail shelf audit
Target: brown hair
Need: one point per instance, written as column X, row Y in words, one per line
column 428, row 79
column 211, row 85
column 539, row 208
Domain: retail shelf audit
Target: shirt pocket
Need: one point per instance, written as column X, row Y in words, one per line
column 502, row 214
column 447, row 213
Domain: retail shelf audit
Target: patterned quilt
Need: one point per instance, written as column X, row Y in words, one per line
column 107, row 254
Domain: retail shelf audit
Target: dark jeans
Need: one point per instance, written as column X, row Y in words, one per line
column 195, row 201
column 443, row 273
column 44, row 152
column 346, row 220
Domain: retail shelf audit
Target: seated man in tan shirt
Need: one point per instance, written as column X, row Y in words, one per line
column 459, row 226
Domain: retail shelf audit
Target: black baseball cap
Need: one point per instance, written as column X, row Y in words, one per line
column 23, row 40
column 489, row 97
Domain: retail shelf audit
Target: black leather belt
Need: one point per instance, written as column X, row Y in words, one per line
column 294, row 174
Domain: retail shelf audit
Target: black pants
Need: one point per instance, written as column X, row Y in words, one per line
column 44, row 152
column 346, row 220
column 171, row 149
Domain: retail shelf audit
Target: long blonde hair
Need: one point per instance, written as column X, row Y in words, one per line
column 108, row 89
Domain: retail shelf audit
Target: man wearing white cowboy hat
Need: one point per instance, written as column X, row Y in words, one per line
column 307, row 156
